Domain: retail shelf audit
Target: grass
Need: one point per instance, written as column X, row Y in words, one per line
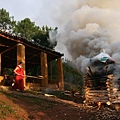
column 36, row 104
column 5, row 109
column 30, row 101
column 41, row 103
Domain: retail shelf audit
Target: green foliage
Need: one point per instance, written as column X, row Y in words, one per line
column 52, row 70
column 32, row 101
column 9, row 71
column 42, row 38
column 73, row 79
column 34, row 71
column 7, row 22
column 5, row 110
column 26, row 29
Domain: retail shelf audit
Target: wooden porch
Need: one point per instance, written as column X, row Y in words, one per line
column 14, row 49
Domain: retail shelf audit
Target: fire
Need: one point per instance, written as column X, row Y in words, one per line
column 99, row 105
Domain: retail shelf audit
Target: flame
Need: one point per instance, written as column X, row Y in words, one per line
column 99, row 104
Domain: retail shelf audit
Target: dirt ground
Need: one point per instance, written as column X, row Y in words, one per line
column 43, row 107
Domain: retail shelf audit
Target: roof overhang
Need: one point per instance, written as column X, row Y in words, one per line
column 8, row 51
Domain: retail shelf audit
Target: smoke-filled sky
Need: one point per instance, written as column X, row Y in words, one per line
column 92, row 25
column 85, row 27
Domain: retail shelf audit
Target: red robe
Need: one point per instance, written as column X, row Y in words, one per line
column 19, row 81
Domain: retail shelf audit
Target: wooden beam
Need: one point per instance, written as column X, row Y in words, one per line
column 9, row 37
column 60, row 74
column 43, row 49
column 0, row 64
column 9, row 57
column 11, row 65
column 10, row 48
column 21, row 57
column 44, row 69
column 33, row 55
column 4, row 45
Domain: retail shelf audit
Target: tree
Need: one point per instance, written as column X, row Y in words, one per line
column 26, row 29
column 73, row 79
column 42, row 38
column 7, row 22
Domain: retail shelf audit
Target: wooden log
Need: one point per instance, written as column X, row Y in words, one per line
column 101, row 97
column 110, row 76
column 101, row 93
column 96, row 94
column 118, row 101
column 44, row 69
column 96, row 78
column 89, row 71
column 110, row 89
column 94, row 90
column 98, row 100
column 60, row 74
column 115, row 94
column 37, row 77
column 98, row 97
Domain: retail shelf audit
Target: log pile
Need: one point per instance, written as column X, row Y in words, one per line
column 113, row 88
column 101, row 87
column 96, row 89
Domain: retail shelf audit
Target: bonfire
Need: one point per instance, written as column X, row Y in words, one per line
column 101, row 83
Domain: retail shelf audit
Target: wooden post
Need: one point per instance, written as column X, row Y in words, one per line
column 51, row 72
column 44, row 69
column 21, row 57
column 0, row 65
column 60, row 74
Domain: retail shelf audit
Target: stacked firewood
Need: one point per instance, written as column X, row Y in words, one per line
column 101, row 87
column 113, row 89
column 96, row 90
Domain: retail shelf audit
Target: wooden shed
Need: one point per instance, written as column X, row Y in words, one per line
column 14, row 49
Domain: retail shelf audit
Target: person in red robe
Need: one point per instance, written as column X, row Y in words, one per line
column 19, row 79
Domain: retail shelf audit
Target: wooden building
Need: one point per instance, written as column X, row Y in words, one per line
column 14, row 49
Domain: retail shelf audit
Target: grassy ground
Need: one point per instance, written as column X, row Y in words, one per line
column 15, row 105
column 6, row 110
column 11, row 103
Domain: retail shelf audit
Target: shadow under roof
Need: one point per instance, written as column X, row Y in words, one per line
column 8, row 51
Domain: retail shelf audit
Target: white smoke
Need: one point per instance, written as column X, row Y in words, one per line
column 88, row 27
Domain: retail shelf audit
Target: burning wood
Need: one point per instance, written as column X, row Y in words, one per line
column 88, row 69
column 99, row 105
column 101, row 85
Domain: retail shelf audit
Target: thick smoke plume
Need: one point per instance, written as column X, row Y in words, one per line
column 86, row 27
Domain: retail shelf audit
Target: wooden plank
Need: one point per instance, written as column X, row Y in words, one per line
column 101, row 98
column 97, row 91
column 97, row 95
column 37, row 77
column 0, row 65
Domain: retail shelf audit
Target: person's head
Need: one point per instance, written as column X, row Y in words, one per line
column 20, row 63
